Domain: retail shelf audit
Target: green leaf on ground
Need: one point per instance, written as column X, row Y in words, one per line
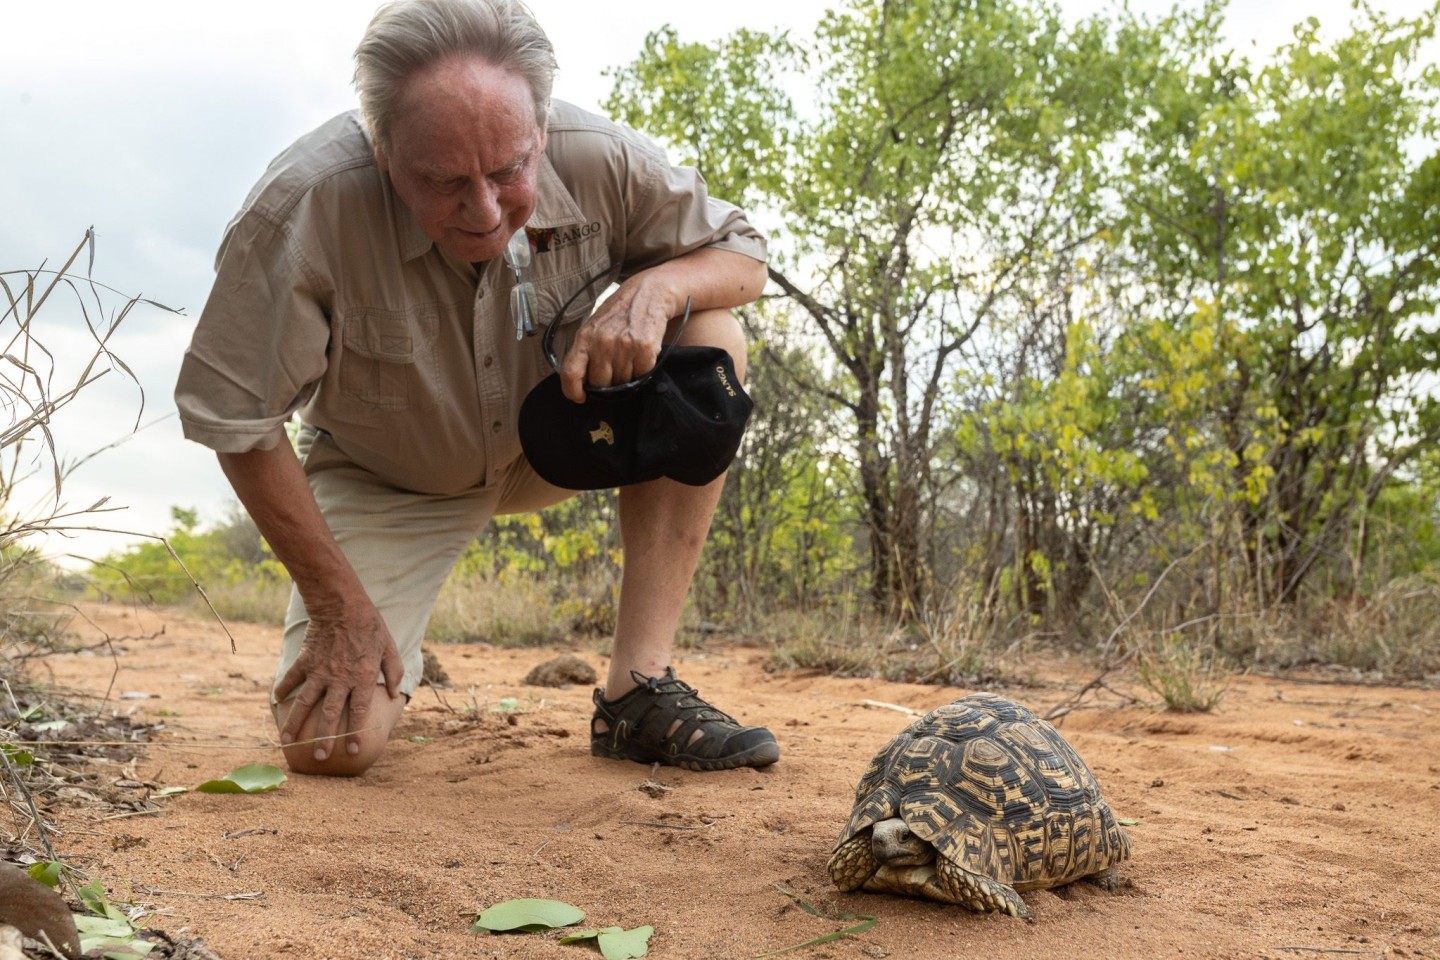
column 1129, row 823
column 92, row 927
column 580, row 936
column 528, row 915
column 616, row 943
column 170, row 791
column 93, row 896
column 251, row 778
column 111, row 938
column 47, row 872
column 625, row 944
column 19, row 757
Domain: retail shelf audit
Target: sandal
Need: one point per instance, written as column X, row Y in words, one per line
column 655, row 723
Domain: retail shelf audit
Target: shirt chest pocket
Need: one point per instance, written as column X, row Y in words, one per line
column 387, row 357
column 570, row 297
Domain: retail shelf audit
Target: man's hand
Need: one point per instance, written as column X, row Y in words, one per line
column 343, row 654
column 622, row 339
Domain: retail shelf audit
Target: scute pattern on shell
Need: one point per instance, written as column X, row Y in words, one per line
column 995, row 789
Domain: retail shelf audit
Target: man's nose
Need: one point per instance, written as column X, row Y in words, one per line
column 482, row 206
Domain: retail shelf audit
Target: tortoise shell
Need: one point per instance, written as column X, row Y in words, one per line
column 995, row 790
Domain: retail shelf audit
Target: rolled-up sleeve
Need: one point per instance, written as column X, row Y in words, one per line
column 672, row 213
column 259, row 348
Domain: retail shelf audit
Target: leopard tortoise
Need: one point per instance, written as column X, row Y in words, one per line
column 974, row 803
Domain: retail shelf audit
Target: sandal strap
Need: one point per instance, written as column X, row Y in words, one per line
column 639, row 727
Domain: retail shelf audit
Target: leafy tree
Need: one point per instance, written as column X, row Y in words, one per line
column 221, row 555
column 1299, row 203
column 783, row 532
column 951, row 148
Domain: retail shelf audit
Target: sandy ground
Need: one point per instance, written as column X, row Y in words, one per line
column 1301, row 820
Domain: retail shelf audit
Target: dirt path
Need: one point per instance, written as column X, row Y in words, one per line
column 1301, row 821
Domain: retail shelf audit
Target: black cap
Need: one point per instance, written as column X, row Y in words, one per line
column 684, row 421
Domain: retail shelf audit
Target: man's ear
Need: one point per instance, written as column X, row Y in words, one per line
column 380, row 158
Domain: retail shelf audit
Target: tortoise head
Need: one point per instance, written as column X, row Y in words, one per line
column 884, row 855
column 894, row 845
column 904, row 864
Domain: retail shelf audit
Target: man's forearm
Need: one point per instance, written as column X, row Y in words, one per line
column 712, row 279
column 272, row 486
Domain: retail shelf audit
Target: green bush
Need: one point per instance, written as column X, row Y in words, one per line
column 229, row 562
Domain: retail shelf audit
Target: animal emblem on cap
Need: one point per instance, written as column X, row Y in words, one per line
column 603, row 432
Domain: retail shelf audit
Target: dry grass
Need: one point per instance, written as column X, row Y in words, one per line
column 956, row 643
column 955, row 640
column 41, row 729
column 1392, row 634
column 506, row 612
column 1189, row 676
column 249, row 601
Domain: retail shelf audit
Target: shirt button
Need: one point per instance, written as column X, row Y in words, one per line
column 496, row 426
column 489, row 360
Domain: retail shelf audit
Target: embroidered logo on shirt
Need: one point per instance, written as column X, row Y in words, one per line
column 554, row 238
column 540, row 239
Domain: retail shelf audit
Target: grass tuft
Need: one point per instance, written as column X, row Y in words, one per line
column 1188, row 676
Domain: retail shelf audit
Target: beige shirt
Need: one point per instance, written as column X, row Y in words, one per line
column 330, row 301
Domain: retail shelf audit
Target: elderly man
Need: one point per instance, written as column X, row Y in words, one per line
column 365, row 285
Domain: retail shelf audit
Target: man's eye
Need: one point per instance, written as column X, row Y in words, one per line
column 448, row 186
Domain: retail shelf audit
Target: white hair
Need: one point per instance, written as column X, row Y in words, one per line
column 406, row 36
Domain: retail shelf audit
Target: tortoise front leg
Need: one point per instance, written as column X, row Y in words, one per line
column 977, row 893
column 852, row 863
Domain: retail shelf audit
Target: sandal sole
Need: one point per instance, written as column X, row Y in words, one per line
column 760, row 755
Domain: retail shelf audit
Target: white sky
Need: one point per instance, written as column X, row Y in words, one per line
column 151, row 119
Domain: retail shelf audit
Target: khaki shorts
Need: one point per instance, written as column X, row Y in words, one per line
column 401, row 544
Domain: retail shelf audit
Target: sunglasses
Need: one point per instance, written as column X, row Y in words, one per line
column 522, row 295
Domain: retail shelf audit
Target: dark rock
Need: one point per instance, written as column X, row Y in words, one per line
column 434, row 674
column 563, row 670
column 33, row 908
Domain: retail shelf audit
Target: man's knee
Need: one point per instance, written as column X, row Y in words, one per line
column 718, row 328
column 300, row 758
column 339, row 761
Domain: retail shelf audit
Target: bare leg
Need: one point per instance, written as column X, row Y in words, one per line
column 663, row 525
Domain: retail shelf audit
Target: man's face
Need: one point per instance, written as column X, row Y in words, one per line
column 464, row 155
